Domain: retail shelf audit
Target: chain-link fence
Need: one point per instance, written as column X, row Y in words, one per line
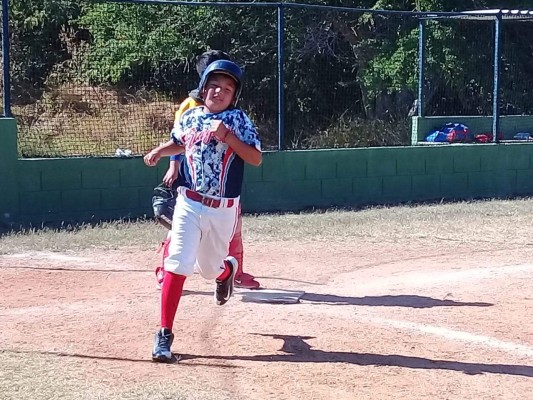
column 516, row 80
column 89, row 78
column 459, row 75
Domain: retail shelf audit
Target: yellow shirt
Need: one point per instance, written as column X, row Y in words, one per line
column 186, row 104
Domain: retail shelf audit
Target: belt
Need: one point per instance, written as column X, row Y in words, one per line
column 208, row 201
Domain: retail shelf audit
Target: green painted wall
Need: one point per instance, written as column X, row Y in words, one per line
column 36, row 191
column 509, row 125
column 354, row 177
column 84, row 188
column 8, row 179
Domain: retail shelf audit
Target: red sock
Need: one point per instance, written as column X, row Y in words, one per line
column 170, row 298
column 235, row 246
column 225, row 274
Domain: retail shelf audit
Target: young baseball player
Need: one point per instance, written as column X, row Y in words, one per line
column 217, row 139
column 242, row 279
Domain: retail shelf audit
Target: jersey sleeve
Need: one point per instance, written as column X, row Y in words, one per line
column 176, row 128
column 244, row 128
column 185, row 105
column 177, row 132
column 177, row 136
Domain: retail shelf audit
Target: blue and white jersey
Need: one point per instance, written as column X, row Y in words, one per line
column 214, row 168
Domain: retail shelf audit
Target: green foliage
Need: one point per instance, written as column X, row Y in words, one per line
column 37, row 27
column 136, row 45
column 132, row 42
column 394, row 67
column 336, row 64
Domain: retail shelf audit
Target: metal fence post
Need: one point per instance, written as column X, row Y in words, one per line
column 421, row 64
column 6, row 59
column 496, row 92
column 281, row 133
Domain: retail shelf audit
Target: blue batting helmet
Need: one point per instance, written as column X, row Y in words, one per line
column 225, row 67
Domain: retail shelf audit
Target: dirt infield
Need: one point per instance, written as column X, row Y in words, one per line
column 377, row 321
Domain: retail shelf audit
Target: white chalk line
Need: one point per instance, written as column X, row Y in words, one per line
column 509, row 347
column 71, row 261
column 424, row 278
column 45, row 255
column 418, row 278
column 465, row 275
column 63, row 308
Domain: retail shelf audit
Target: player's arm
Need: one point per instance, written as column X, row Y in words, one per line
column 174, row 163
column 172, row 172
column 245, row 151
column 163, row 150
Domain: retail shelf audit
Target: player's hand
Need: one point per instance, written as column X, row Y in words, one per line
column 170, row 176
column 152, row 158
column 220, row 131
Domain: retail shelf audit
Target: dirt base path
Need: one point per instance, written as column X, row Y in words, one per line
column 377, row 321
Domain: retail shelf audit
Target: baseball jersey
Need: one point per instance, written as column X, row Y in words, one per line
column 214, row 168
column 183, row 175
column 188, row 103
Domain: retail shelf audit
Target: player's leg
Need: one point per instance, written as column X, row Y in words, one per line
column 213, row 262
column 163, row 204
column 236, row 249
column 160, row 269
column 185, row 238
column 235, row 246
column 171, row 292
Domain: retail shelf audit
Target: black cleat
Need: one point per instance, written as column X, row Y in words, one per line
column 224, row 289
column 162, row 342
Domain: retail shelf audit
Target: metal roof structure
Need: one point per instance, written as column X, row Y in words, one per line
column 504, row 14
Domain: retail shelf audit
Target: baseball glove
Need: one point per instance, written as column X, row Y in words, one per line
column 163, row 202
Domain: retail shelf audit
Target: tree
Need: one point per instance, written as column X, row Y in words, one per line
column 36, row 28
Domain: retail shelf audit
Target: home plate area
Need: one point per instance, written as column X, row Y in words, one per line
column 272, row 296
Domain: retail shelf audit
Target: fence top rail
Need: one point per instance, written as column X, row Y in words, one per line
column 492, row 14
column 476, row 14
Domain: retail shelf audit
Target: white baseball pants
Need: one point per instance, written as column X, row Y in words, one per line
column 200, row 236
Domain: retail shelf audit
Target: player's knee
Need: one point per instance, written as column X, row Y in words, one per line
column 209, row 273
column 178, row 267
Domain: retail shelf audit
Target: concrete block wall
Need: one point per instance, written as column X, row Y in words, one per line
column 39, row 191
column 86, row 189
column 295, row 180
column 8, row 179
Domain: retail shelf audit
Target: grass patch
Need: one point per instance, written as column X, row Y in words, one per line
column 49, row 376
column 497, row 221
column 106, row 235
column 500, row 221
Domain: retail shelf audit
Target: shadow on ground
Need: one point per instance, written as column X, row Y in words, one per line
column 298, row 351
column 405, row 300
column 146, row 360
column 413, row 301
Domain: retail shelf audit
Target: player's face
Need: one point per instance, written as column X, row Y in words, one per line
column 219, row 92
